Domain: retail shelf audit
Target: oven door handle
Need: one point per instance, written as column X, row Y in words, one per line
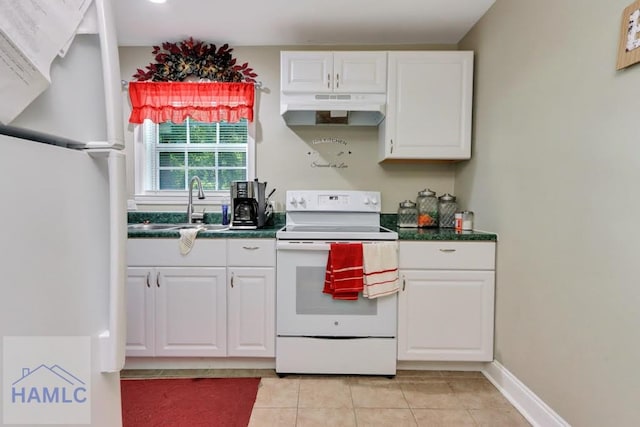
column 303, row 246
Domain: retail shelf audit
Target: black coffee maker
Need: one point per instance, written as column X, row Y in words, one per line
column 248, row 204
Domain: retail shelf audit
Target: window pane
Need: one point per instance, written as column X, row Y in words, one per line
column 233, row 133
column 238, row 159
column 171, row 180
column 172, row 133
column 202, row 132
column 178, row 151
column 207, row 176
column 202, row 159
column 173, row 160
column 228, row 175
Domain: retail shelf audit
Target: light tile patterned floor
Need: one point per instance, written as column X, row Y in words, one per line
column 412, row 398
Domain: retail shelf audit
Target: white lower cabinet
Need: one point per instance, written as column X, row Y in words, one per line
column 251, row 298
column 196, row 306
column 446, row 302
column 176, row 304
column 191, row 311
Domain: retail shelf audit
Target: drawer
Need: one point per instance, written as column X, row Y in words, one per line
column 166, row 252
column 251, row 252
column 447, row 255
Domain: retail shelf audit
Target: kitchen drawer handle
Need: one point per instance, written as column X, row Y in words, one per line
column 447, row 250
column 251, row 248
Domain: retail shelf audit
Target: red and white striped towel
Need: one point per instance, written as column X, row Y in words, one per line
column 380, row 267
column 343, row 277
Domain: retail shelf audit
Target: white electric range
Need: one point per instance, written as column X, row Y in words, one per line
column 316, row 333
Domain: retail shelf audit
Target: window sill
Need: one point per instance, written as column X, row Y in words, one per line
column 211, row 199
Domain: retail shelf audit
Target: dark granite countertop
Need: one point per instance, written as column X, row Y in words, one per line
column 269, row 232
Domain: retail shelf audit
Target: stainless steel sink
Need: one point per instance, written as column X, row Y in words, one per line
column 207, row 227
column 151, row 226
column 160, row 227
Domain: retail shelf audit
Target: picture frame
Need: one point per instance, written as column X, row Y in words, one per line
column 629, row 45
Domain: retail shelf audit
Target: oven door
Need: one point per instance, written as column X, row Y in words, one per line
column 304, row 310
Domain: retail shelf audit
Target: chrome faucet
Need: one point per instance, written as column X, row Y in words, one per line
column 191, row 216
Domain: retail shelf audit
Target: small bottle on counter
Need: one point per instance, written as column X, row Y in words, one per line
column 407, row 214
column 458, row 221
column 225, row 212
column 467, row 220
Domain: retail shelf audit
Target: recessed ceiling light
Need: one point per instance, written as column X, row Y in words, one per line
column 158, row 1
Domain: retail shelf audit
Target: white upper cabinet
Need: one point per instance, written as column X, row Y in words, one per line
column 429, row 100
column 333, row 72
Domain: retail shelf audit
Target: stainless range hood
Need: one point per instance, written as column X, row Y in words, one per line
column 332, row 109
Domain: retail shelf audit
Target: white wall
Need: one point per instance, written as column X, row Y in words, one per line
column 282, row 152
column 555, row 171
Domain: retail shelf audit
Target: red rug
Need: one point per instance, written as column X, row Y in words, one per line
column 188, row 402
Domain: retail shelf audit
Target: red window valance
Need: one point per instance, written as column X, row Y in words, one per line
column 202, row 101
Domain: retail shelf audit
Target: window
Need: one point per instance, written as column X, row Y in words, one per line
column 169, row 155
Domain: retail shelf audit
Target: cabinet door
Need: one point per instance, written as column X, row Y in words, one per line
column 306, row 71
column 429, row 106
column 360, row 72
column 446, row 315
column 191, row 312
column 251, row 326
column 140, row 306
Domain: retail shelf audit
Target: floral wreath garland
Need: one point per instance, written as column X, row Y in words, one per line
column 191, row 58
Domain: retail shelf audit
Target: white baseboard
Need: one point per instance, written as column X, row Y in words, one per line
column 415, row 365
column 538, row 413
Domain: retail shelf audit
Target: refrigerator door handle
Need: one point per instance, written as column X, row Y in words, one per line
column 112, row 340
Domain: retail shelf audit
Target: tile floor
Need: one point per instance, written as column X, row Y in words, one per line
column 412, row 398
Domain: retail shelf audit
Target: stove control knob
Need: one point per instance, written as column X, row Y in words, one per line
column 293, row 201
column 370, row 201
column 302, row 201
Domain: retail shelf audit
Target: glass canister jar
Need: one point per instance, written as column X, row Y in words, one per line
column 447, row 208
column 427, row 209
column 407, row 214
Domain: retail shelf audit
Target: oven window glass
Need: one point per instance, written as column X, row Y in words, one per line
column 311, row 300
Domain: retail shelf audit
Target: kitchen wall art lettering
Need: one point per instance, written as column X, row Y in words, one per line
column 329, row 153
column 629, row 46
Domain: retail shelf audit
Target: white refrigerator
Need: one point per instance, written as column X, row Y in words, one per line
column 62, row 256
